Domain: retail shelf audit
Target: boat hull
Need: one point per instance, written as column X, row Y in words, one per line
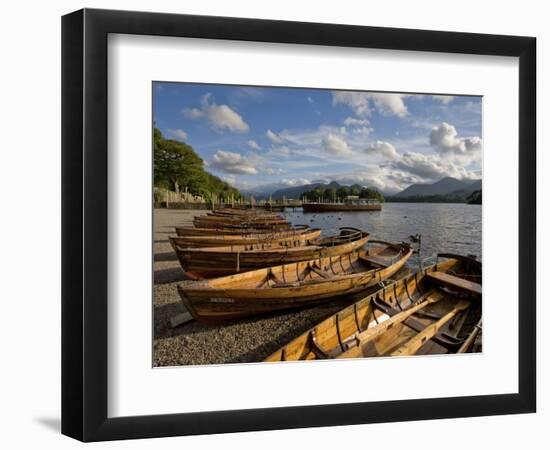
column 219, row 241
column 333, row 337
column 218, row 302
column 234, row 231
column 214, row 262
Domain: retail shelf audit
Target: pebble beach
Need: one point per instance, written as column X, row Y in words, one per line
column 247, row 340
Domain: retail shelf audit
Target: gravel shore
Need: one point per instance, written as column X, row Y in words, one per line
column 249, row 340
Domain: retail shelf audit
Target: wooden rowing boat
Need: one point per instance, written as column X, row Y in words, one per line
column 435, row 311
column 211, row 262
column 231, row 218
column 241, row 212
column 306, row 234
column 235, row 231
column 215, row 222
column 254, row 214
column 292, row 285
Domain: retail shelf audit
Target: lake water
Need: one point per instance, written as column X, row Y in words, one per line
column 444, row 227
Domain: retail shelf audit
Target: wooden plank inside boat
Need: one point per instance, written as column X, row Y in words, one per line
column 456, row 282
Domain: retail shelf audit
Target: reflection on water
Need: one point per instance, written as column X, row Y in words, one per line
column 445, row 227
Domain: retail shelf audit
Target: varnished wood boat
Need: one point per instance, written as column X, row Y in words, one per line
column 238, row 231
column 241, row 212
column 211, row 262
column 292, row 285
column 435, row 311
column 306, row 234
column 255, row 214
column 215, row 222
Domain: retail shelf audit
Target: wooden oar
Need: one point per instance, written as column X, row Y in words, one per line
column 372, row 333
column 414, row 344
column 465, row 347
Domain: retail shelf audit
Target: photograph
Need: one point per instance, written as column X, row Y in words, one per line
column 312, row 224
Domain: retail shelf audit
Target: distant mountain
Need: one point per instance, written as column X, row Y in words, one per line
column 444, row 190
column 445, row 187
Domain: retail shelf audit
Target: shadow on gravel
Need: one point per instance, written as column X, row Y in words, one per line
column 164, row 276
column 167, row 256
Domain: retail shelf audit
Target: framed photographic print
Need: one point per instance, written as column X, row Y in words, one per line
column 274, row 224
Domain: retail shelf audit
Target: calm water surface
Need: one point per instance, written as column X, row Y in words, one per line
column 445, row 227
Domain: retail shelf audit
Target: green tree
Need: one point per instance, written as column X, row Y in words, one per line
column 342, row 192
column 330, row 195
column 371, row 193
column 177, row 166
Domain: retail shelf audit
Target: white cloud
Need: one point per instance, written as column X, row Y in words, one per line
column 444, row 139
column 383, row 149
column 192, row 113
column 444, row 99
column 353, row 121
column 357, row 101
column 336, row 145
column 274, row 137
column 178, row 133
column 220, row 117
column 310, row 100
column 363, row 103
column 279, row 152
column 253, row 144
column 390, row 104
column 289, row 182
column 272, row 171
column 386, row 179
column 430, row 167
column 358, row 126
column 233, row 163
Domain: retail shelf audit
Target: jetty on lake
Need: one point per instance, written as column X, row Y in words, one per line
column 351, row 203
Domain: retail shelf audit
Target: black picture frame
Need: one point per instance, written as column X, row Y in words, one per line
column 84, row 224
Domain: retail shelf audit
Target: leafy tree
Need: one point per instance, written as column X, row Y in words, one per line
column 342, row 192
column 177, row 166
column 371, row 193
column 330, row 194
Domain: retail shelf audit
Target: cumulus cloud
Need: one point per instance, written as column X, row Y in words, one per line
column 382, row 149
column 178, row 133
column 253, row 144
column 335, row 145
column 358, row 126
column 274, row 137
column 272, row 171
column 233, row 163
column 430, row 167
column 353, row 121
column 289, row 182
column 357, row 101
column 444, row 139
column 220, row 117
column 363, row 103
column 279, row 152
column 444, row 99
column 384, row 178
column 192, row 113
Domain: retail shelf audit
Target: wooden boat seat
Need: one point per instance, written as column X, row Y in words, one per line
column 454, row 281
column 379, row 261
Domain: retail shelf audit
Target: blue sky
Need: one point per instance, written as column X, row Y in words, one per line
column 265, row 138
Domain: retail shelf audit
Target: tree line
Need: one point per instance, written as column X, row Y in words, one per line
column 320, row 194
column 177, row 167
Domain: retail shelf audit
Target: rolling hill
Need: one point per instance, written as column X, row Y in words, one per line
column 445, row 187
